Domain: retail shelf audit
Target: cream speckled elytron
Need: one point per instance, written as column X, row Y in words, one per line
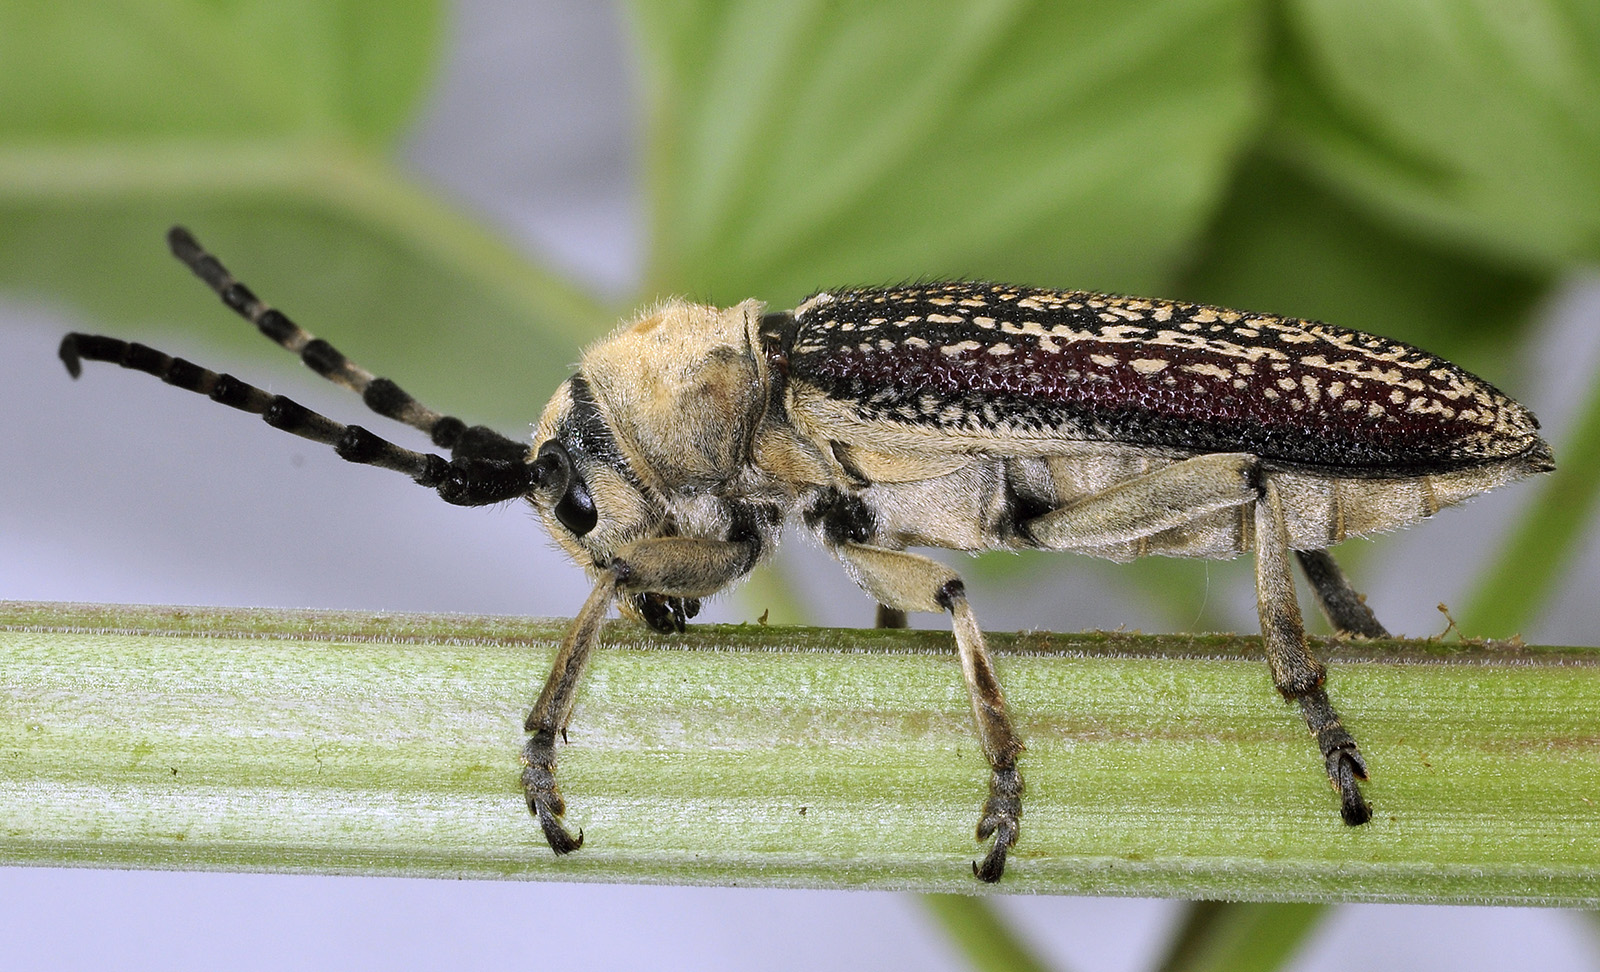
column 970, row 416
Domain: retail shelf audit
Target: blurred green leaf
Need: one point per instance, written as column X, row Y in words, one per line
column 1477, row 122
column 816, row 144
column 392, row 308
column 1233, row 936
column 985, row 939
column 1284, row 244
column 1528, row 572
column 163, row 68
column 265, row 126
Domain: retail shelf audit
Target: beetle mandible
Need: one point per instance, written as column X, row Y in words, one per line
column 966, row 415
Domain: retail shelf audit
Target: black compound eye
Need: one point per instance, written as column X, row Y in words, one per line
column 554, row 471
column 575, row 509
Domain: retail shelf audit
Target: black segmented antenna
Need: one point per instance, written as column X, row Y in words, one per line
column 485, row 467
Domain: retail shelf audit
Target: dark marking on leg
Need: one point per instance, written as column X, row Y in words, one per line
column 950, row 593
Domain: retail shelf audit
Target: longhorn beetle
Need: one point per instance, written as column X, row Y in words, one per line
column 966, row 415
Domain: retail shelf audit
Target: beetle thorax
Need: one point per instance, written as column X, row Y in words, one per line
column 682, row 391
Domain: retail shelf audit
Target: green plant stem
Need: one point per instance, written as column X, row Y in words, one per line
column 1157, row 765
column 985, row 939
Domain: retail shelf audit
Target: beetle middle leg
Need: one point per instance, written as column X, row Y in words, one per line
column 550, row 714
column 908, row 582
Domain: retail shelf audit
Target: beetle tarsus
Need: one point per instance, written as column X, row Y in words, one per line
column 994, row 862
column 560, row 841
column 1340, row 756
column 1002, row 820
column 1345, row 767
column 544, row 798
column 668, row 615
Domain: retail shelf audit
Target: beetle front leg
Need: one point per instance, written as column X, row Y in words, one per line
column 907, row 582
column 550, row 714
column 675, row 567
column 1298, row 675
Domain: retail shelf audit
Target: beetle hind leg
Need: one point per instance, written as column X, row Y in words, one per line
column 1146, row 505
column 1344, row 606
column 1296, row 673
column 907, row 582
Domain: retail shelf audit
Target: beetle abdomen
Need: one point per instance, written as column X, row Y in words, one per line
column 1149, row 372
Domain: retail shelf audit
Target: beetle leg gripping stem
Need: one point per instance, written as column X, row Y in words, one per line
column 544, row 798
column 550, row 714
column 1339, row 754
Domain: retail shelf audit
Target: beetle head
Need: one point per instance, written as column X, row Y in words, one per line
column 590, row 497
column 660, row 412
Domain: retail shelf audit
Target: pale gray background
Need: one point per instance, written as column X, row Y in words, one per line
column 532, row 126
